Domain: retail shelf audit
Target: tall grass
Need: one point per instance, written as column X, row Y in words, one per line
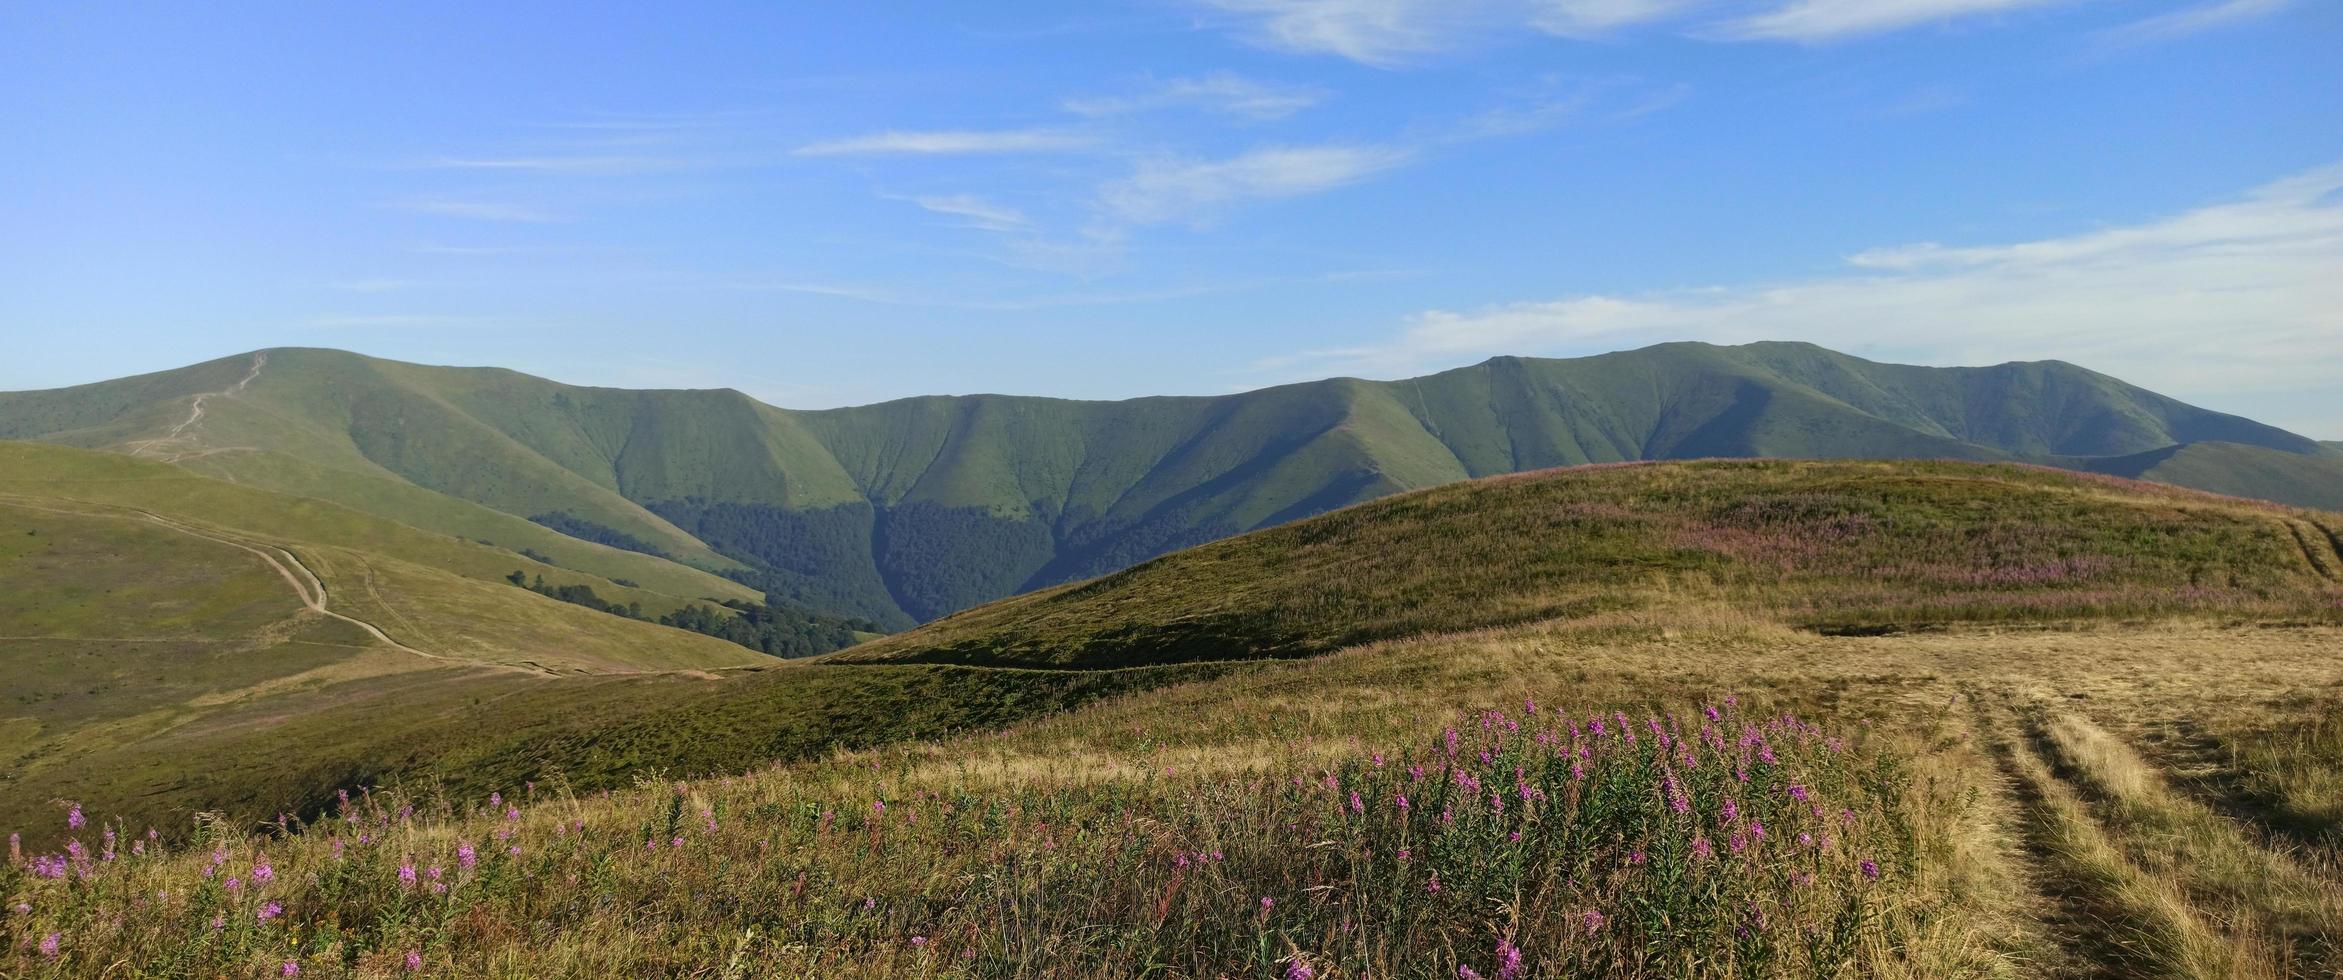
column 1511, row 842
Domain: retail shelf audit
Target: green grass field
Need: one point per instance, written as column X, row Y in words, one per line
column 1887, row 720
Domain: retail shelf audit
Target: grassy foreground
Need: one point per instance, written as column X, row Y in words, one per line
column 1681, row 794
column 1620, row 722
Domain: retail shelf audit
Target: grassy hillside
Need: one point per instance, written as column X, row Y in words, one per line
column 1842, row 546
column 2241, row 470
column 144, row 609
column 910, row 510
column 1680, row 791
column 1816, row 545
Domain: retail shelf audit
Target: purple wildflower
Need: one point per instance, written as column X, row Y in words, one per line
column 292, row 968
column 1508, row 960
column 414, row 962
column 1593, row 921
column 465, row 855
column 73, row 818
column 1871, row 870
column 1295, row 969
column 49, row 945
column 270, row 911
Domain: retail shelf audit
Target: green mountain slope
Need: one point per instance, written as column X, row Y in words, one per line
column 1836, row 546
column 906, row 511
column 146, row 611
column 215, row 691
column 2244, row 471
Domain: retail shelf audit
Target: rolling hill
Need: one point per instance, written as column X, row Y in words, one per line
column 907, row 511
column 139, row 643
column 1762, row 718
column 145, row 609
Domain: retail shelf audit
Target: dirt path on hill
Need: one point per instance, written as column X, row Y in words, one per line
column 195, row 412
column 311, row 589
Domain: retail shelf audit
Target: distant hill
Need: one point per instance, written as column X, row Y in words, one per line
column 910, row 510
column 171, row 642
column 1833, row 546
column 156, row 668
column 2244, row 471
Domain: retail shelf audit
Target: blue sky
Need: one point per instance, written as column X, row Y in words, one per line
column 828, row 203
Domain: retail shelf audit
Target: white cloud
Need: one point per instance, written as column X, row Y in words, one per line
column 978, row 212
column 956, row 141
column 2193, row 20
column 1217, row 92
column 1392, row 33
column 476, row 210
column 1584, row 18
column 2232, row 297
column 1373, row 32
column 393, row 320
column 578, row 165
column 1827, row 20
column 1162, row 191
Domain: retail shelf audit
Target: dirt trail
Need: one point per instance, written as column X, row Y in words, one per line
column 311, row 589
column 195, row 412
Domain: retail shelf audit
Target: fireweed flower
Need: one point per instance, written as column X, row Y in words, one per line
column 1871, row 870
column 290, row 969
column 49, row 945
column 73, row 818
column 1295, row 969
column 270, row 911
column 465, row 855
column 1508, row 960
column 262, row 873
column 407, row 875
column 414, row 963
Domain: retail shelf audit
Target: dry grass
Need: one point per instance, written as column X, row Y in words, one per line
column 1053, row 848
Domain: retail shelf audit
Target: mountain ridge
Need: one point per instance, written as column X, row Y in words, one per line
column 906, row 510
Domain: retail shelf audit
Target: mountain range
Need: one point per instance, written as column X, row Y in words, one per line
column 907, row 511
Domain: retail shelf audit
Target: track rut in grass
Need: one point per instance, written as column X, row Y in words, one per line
column 2319, row 549
column 2259, row 900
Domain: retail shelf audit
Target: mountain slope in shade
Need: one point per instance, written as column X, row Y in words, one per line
column 909, row 510
column 2238, row 470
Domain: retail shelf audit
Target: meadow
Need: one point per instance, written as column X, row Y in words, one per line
column 1687, row 793
column 1720, row 719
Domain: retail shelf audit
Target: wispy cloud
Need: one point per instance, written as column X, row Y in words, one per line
column 1830, row 20
column 2192, row 20
column 1170, row 190
column 1396, row 33
column 951, row 141
column 589, row 165
column 2227, row 297
column 374, row 285
column 476, row 210
column 976, row 212
column 1055, row 300
column 1587, row 18
column 1219, row 92
column 389, row 320
column 1384, row 33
